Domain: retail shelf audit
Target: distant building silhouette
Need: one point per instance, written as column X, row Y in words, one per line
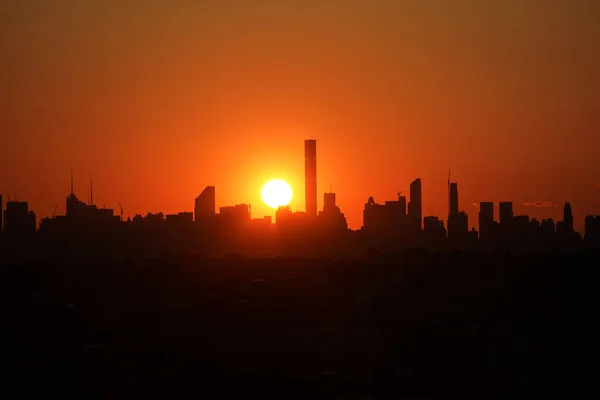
column 520, row 230
column 18, row 220
column 76, row 209
column 180, row 219
column 458, row 223
column 236, row 217
column 486, row 221
column 506, row 213
column 205, row 205
column 453, row 199
column 262, row 223
column 391, row 226
column 282, row 215
column 568, row 219
column 310, row 176
column 435, row 232
column 592, row 230
column 415, row 206
column 329, row 202
column 548, row 228
column 388, row 218
column 331, row 219
column 297, row 224
column 506, row 219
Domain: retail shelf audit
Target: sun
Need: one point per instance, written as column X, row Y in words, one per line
column 276, row 193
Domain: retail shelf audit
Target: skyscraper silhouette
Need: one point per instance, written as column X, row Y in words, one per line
column 331, row 218
column 415, row 205
column 506, row 213
column 204, row 205
column 1, row 213
column 568, row 219
column 329, row 202
column 453, row 199
column 310, row 176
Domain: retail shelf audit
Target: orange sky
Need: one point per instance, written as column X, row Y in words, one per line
column 158, row 99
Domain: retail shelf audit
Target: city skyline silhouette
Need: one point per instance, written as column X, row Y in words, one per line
column 287, row 199
column 214, row 230
column 547, row 210
column 159, row 102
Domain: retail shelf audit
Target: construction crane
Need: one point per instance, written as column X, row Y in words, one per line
column 400, row 192
column 121, row 209
column 432, row 213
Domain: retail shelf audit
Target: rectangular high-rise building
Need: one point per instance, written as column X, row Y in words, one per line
column 310, row 177
column 486, row 220
column 205, row 205
column 415, row 205
column 453, row 199
column 506, row 213
column 329, row 202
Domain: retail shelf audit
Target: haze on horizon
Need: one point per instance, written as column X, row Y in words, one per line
column 158, row 99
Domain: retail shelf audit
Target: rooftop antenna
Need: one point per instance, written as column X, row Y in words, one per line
column 71, row 181
column 91, row 192
column 7, row 196
column 15, row 194
column 54, row 211
column 121, row 208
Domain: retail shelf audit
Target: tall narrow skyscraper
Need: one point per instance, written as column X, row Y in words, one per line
column 415, row 205
column 453, row 199
column 568, row 218
column 310, row 177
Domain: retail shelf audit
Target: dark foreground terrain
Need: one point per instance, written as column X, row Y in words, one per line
column 417, row 325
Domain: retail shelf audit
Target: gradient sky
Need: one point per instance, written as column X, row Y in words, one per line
column 157, row 99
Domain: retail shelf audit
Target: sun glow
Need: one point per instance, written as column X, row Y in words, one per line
column 276, row 193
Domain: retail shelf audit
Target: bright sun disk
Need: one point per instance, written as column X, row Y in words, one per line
column 276, row 193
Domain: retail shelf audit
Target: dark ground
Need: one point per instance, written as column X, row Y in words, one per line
column 417, row 325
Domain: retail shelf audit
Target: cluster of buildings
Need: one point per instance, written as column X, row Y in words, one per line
column 398, row 222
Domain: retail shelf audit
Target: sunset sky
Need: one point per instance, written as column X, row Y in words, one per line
column 157, row 99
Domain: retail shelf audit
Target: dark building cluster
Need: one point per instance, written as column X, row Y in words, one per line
column 393, row 225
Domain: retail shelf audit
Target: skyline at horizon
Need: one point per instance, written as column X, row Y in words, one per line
column 426, row 211
column 157, row 102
